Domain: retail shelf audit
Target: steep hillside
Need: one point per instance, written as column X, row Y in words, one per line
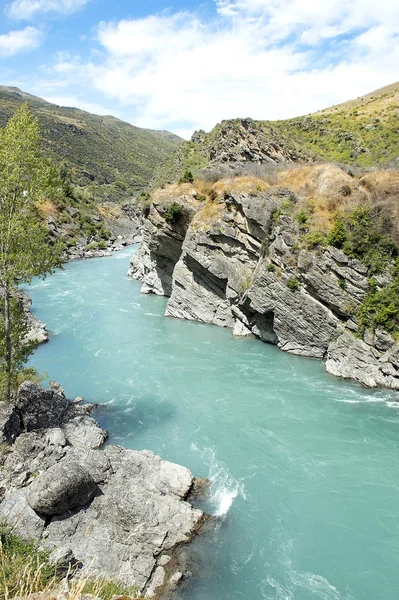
column 111, row 159
column 360, row 133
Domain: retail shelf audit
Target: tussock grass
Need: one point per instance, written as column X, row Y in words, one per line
column 25, row 569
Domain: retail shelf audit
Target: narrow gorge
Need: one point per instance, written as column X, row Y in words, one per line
column 246, row 259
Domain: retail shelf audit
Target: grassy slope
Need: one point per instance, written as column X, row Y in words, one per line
column 111, row 157
column 362, row 132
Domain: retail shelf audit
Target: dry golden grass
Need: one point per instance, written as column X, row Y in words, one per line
column 47, row 209
column 242, row 185
column 109, row 211
column 208, row 214
column 172, row 191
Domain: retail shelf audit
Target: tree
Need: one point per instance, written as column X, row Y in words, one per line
column 25, row 180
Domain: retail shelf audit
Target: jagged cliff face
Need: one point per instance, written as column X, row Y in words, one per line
column 232, row 146
column 240, row 262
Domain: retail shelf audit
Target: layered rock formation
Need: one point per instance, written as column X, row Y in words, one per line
column 117, row 513
column 241, row 263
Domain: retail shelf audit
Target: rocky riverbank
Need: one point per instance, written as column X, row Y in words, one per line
column 241, row 258
column 117, row 513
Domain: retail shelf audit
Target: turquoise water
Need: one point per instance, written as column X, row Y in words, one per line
column 304, row 467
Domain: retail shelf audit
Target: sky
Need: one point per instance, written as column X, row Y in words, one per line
column 182, row 65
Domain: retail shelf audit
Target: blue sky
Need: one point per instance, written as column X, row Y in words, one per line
column 184, row 65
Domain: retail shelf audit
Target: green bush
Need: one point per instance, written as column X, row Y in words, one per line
column 315, row 238
column 187, row 177
column 271, row 268
column 302, row 217
column 173, row 213
column 380, row 308
column 293, row 284
column 338, row 234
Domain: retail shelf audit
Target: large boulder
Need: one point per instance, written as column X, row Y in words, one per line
column 63, row 487
column 39, row 408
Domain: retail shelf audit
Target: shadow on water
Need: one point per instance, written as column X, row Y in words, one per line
column 146, row 413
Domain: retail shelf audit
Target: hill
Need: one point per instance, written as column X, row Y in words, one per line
column 359, row 133
column 111, row 159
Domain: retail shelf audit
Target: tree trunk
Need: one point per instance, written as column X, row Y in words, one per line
column 7, row 316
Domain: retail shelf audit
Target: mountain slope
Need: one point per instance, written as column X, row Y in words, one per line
column 362, row 132
column 109, row 157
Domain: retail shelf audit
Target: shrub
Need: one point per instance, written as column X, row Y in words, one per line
column 293, row 284
column 315, row 238
column 345, row 190
column 302, row 217
column 271, row 268
column 92, row 246
column 173, row 213
column 187, row 177
column 145, row 210
column 338, row 234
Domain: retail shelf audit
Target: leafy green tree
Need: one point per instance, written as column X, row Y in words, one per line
column 25, row 180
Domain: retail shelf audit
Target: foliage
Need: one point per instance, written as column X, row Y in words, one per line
column 302, row 217
column 293, row 284
column 111, row 158
column 338, row 234
column 380, row 308
column 315, row 238
column 173, row 213
column 25, row 570
column 187, row 177
column 366, row 233
column 25, row 180
column 21, row 350
column 271, row 268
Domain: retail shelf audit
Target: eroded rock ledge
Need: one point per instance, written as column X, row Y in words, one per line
column 116, row 512
column 232, row 263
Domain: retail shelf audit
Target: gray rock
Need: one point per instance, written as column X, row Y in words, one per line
column 156, row 581
column 83, row 431
column 38, row 409
column 63, row 557
column 10, row 423
column 176, row 578
column 16, row 512
column 63, row 487
column 161, row 247
column 351, row 358
column 115, row 511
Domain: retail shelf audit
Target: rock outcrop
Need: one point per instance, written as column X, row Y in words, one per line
column 162, row 242
column 241, row 263
column 119, row 513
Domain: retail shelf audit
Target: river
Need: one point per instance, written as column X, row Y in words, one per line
column 304, row 467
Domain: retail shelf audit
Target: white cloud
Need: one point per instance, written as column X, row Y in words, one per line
column 266, row 59
column 26, row 9
column 21, row 40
